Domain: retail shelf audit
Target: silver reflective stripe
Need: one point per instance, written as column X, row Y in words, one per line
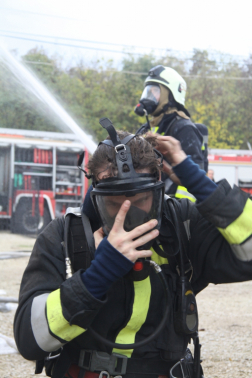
column 187, row 228
column 243, row 251
column 40, row 327
column 185, row 194
column 73, row 210
column 205, row 138
column 166, row 197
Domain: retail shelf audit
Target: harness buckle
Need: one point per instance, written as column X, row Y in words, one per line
column 114, row 364
column 104, row 374
column 120, row 147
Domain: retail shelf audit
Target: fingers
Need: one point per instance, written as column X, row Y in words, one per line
column 120, row 217
column 140, row 230
column 127, row 242
column 171, row 149
column 145, row 239
column 142, row 255
column 167, row 144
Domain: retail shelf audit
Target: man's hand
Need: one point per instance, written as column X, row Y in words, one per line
column 171, row 149
column 125, row 242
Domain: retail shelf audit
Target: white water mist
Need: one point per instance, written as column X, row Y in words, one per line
column 33, row 84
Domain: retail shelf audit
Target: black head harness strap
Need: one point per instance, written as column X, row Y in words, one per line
column 123, row 154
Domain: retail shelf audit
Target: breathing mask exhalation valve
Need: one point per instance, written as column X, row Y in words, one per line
column 140, row 270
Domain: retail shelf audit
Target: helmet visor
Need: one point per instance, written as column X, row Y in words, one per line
column 145, row 206
column 151, row 92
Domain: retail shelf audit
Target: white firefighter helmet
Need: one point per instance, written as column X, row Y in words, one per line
column 169, row 78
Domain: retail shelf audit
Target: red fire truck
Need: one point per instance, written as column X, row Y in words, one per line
column 234, row 165
column 39, row 177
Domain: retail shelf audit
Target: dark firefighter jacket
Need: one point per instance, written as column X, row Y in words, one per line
column 191, row 141
column 55, row 312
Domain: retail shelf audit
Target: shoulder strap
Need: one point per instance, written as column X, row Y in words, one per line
column 81, row 244
column 179, row 215
column 89, row 234
column 170, row 127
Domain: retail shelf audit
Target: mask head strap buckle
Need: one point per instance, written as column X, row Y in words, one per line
column 123, row 154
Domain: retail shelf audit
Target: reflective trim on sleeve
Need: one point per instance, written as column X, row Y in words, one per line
column 183, row 193
column 241, row 229
column 139, row 314
column 40, row 327
column 205, row 139
column 243, row 252
column 58, row 325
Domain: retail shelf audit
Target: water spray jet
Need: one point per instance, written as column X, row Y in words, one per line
column 33, row 84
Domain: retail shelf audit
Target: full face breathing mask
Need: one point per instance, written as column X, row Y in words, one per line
column 144, row 190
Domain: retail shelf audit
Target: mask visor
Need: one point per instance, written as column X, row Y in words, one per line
column 145, row 206
column 152, row 93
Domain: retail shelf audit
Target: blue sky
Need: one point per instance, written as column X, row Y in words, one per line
column 183, row 25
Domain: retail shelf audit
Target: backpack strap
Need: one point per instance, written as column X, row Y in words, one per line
column 170, row 127
column 89, row 234
column 178, row 212
column 81, row 245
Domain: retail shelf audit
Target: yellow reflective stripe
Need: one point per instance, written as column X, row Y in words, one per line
column 140, row 309
column 155, row 129
column 239, row 230
column 183, row 193
column 58, row 325
column 203, row 147
column 158, row 259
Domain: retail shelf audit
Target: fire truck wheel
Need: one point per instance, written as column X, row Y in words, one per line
column 28, row 223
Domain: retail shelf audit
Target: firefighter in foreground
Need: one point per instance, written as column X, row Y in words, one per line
column 163, row 98
column 127, row 306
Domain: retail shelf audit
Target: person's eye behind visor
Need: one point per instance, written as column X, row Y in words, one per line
column 144, row 207
column 151, row 92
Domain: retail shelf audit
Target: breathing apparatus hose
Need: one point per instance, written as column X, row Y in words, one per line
column 157, row 331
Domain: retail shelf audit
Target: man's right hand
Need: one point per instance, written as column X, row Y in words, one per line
column 125, row 241
column 171, row 149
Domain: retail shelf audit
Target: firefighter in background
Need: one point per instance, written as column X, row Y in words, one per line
column 164, row 98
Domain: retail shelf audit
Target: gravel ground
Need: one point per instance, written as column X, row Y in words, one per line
column 225, row 321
